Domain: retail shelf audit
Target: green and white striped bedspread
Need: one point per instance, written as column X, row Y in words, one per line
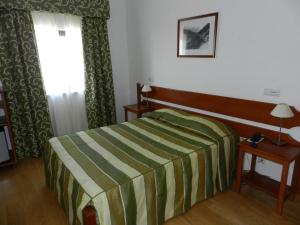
column 142, row 172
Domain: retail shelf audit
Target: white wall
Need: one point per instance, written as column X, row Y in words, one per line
column 117, row 26
column 258, row 47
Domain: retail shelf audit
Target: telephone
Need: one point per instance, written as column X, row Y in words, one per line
column 255, row 139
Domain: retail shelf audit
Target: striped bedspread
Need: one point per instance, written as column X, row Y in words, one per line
column 141, row 172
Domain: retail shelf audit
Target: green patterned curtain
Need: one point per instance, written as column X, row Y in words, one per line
column 93, row 8
column 100, row 100
column 21, row 76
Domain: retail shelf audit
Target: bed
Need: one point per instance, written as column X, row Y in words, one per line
column 141, row 172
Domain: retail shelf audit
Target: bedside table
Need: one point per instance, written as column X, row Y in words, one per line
column 138, row 109
column 283, row 155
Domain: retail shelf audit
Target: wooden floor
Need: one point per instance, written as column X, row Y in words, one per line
column 25, row 200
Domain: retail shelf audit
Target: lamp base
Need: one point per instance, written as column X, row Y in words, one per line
column 279, row 143
column 147, row 103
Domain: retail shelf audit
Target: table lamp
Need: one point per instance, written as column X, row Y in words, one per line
column 281, row 111
column 146, row 89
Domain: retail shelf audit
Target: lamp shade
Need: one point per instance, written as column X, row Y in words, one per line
column 282, row 110
column 146, row 88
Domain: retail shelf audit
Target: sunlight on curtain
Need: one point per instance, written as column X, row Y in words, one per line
column 60, row 50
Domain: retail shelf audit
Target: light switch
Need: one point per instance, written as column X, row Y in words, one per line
column 272, row 92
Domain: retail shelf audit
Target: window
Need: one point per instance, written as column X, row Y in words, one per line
column 59, row 43
column 60, row 51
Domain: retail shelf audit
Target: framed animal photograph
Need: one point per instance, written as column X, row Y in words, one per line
column 197, row 36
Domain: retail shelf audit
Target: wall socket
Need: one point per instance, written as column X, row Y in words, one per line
column 272, row 92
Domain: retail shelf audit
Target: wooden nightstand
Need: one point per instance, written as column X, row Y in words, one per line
column 283, row 155
column 138, row 109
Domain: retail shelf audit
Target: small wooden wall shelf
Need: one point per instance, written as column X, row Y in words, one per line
column 6, row 123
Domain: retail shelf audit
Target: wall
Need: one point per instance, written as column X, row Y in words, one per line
column 117, row 27
column 257, row 47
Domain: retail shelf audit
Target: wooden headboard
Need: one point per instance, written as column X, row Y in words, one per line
column 249, row 110
column 239, row 108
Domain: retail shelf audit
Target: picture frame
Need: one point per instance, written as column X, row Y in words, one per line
column 197, row 36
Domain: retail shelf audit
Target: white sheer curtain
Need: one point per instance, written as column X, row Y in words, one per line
column 60, row 50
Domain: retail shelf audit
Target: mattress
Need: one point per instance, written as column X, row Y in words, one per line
column 145, row 171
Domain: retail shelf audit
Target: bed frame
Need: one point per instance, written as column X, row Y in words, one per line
column 249, row 110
